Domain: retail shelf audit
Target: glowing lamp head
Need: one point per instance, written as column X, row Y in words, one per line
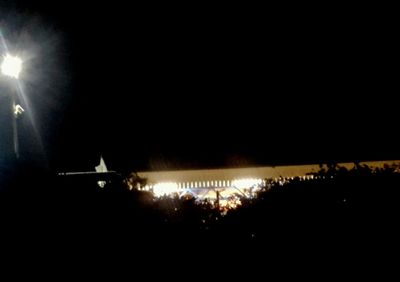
column 11, row 66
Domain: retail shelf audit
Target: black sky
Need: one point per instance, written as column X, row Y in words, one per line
column 222, row 85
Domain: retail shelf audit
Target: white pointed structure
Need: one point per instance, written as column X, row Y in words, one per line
column 102, row 166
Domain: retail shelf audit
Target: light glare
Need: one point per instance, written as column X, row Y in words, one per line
column 246, row 183
column 165, row 189
column 11, row 66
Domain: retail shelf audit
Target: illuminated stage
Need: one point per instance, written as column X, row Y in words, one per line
column 232, row 182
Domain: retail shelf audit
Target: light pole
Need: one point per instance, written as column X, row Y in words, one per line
column 11, row 67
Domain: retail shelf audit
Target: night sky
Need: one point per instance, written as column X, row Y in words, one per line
column 165, row 87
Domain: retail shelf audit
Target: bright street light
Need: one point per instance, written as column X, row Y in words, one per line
column 11, row 66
